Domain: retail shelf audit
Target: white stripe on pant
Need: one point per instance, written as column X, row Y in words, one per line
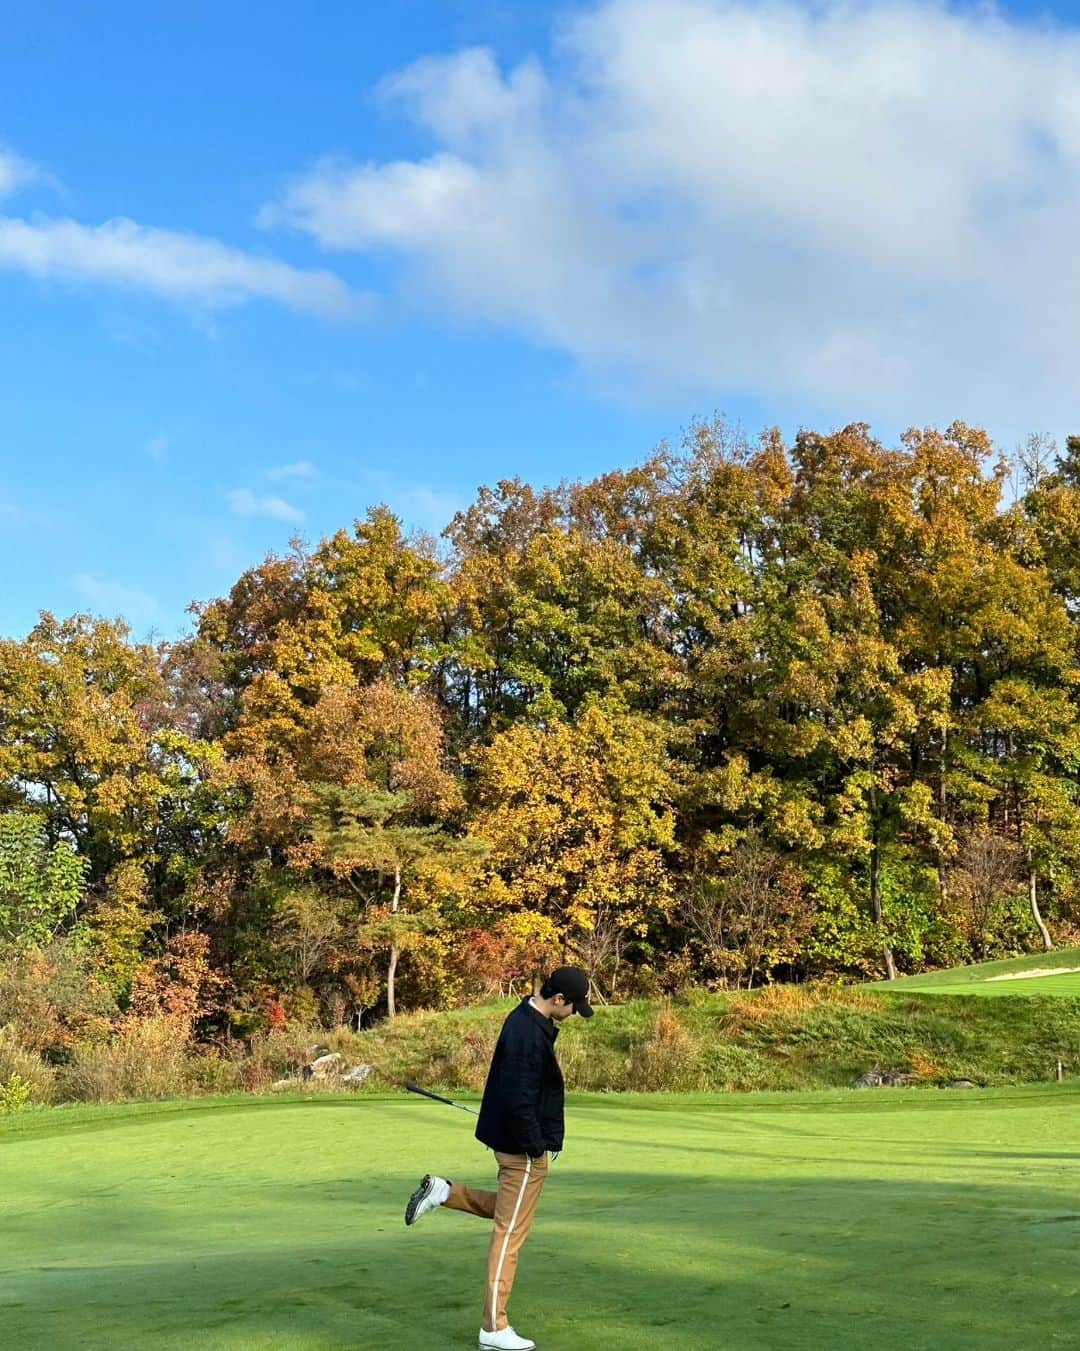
column 506, row 1241
column 512, row 1207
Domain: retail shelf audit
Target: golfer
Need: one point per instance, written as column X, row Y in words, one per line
column 521, row 1119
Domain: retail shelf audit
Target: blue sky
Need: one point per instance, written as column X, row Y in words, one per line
column 264, row 266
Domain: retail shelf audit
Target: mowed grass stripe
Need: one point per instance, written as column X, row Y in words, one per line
column 918, row 1219
column 1009, row 976
column 1062, row 987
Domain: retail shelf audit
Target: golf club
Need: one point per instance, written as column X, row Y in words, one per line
column 413, row 1088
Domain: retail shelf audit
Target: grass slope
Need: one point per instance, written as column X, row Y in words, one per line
column 1007, row 977
column 776, row 1038
column 925, row 1220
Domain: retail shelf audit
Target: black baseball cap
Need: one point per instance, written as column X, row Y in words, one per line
column 573, row 984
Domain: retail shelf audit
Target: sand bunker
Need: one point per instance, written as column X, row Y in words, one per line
column 1038, row 971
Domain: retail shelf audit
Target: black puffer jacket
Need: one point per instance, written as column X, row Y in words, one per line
column 522, row 1111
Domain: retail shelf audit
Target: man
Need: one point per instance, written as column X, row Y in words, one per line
column 521, row 1119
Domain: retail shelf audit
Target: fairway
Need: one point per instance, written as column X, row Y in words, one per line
column 914, row 1219
column 1043, row 973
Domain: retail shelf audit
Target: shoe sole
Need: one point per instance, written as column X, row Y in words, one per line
column 421, row 1193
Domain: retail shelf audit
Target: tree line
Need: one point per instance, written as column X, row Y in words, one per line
column 747, row 711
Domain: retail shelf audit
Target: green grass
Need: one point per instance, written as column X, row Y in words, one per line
column 914, row 1219
column 1006, row 977
column 780, row 1038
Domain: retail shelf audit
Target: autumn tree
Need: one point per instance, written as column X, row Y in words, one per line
column 91, row 745
column 579, row 817
column 382, row 809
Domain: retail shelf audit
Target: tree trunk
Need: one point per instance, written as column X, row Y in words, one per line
column 942, row 867
column 875, row 901
column 1036, row 913
column 391, row 971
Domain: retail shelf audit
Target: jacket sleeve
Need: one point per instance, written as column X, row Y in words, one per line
column 523, row 1076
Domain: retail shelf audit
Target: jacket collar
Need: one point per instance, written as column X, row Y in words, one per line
column 548, row 1024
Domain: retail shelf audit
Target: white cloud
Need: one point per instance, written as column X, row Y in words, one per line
column 167, row 263
column 424, row 507
column 417, row 504
column 866, row 207
column 117, row 599
column 15, row 172
column 301, row 469
column 246, row 503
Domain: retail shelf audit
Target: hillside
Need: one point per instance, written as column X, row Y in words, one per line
column 776, row 1038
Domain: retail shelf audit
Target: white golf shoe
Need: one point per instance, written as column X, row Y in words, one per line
column 432, row 1192
column 506, row 1340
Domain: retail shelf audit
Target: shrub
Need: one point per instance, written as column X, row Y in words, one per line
column 666, row 1059
column 51, row 1000
column 278, row 1053
column 147, row 1058
column 206, row 1071
column 25, row 1067
column 14, row 1093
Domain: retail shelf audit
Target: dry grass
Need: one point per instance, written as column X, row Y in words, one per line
column 667, row 1059
column 780, row 1004
column 17, row 1064
column 924, row 1067
column 147, row 1058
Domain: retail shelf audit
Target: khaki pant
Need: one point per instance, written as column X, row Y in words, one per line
column 512, row 1207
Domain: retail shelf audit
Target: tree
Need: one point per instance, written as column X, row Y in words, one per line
column 89, row 742
column 986, row 873
column 579, row 817
column 362, row 833
column 361, row 607
column 381, row 807
column 41, row 883
column 751, row 913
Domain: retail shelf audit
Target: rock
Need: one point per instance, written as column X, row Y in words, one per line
column 960, row 1083
column 279, row 1085
column 885, row 1079
column 357, row 1074
column 326, row 1065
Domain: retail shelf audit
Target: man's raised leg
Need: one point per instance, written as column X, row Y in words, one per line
column 435, row 1191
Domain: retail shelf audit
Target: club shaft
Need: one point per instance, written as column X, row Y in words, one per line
column 435, row 1097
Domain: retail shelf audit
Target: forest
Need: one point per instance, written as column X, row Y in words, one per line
column 746, row 712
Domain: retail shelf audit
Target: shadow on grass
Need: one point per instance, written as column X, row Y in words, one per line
column 617, row 1259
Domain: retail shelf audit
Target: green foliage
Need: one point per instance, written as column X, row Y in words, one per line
column 27, row 1076
column 744, row 713
column 41, row 883
column 15, row 1093
column 843, row 938
column 118, row 926
column 781, row 1037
